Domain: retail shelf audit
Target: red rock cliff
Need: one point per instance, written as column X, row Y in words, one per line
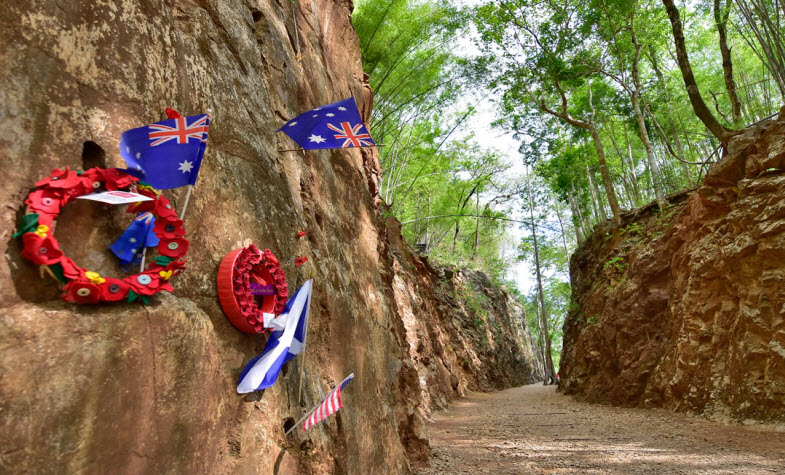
column 685, row 308
column 132, row 389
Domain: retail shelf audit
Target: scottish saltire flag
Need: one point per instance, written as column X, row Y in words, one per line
column 166, row 154
column 139, row 235
column 283, row 345
column 329, row 406
column 336, row 125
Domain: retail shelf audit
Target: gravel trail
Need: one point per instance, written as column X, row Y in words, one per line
column 533, row 429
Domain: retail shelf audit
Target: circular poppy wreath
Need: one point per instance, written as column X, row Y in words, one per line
column 83, row 286
column 240, row 271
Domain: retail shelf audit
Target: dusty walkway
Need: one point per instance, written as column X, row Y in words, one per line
column 532, row 429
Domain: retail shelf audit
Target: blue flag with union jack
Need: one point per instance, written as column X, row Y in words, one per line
column 166, row 154
column 336, row 125
column 139, row 235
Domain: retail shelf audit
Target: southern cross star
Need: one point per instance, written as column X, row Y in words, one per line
column 186, row 166
column 292, row 124
column 132, row 240
column 138, row 154
column 330, row 115
column 316, row 138
column 342, row 108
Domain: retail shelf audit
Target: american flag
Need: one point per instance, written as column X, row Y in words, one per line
column 329, row 406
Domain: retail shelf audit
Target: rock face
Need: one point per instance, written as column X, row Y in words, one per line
column 685, row 308
column 131, row 389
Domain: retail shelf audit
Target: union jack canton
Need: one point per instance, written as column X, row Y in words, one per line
column 336, row 125
column 166, row 154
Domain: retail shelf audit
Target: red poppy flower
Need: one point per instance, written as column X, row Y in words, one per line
column 42, row 251
column 271, row 257
column 70, row 270
column 300, row 234
column 81, row 292
column 45, row 201
column 60, row 179
column 116, row 179
column 148, row 283
column 176, row 267
column 300, row 261
column 164, row 209
column 168, row 228
column 114, row 290
column 173, row 248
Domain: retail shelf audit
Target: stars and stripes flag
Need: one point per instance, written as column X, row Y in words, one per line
column 331, row 404
column 166, row 154
column 336, row 125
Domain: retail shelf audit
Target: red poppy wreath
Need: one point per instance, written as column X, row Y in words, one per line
column 244, row 275
column 83, row 286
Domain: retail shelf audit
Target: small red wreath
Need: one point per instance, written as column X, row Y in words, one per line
column 82, row 286
column 239, row 271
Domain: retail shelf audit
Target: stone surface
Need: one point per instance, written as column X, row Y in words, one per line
column 685, row 308
column 123, row 388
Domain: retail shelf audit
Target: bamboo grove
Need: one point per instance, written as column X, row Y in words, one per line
column 615, row 104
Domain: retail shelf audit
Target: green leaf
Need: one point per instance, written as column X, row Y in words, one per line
column 162, row 260
column 57, row 270
column 143, row 298
column 27, row 224
column 132, row 296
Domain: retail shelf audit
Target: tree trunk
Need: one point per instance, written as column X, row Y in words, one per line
column 654, row 170
column 594, row 192
column 576, row 219
column 721, row 19
column 606, row 176
column 635, row 95
column 550, row 372
column 698, row 105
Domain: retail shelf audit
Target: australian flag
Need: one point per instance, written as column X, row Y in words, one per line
column 283, row 345
column 166, row 154
column 336, row 125
column 139, row 235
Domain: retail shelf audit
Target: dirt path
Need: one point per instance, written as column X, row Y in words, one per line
column 532, row 429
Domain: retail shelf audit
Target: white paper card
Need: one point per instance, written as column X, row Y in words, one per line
column 116, row 197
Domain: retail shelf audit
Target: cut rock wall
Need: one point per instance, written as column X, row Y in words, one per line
column 685, row 308
column 131, row 389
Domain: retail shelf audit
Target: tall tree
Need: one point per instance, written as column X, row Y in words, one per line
column 721, row 14
column 705, row 115
column 538, row 60
column 550, row 372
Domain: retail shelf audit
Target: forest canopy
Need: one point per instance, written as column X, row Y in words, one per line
column 614, row 103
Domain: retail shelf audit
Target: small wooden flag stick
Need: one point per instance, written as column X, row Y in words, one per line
column 191, row 187
column 187, row 197
column 302, row 419
column 144, row 254
column 302, row 361
column 303, row 149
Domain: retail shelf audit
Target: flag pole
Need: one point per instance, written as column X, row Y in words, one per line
column 302, row 419
column 191, row 187
column 302, row 360
column 144, row 254
column 303, row 149
column 187, row 197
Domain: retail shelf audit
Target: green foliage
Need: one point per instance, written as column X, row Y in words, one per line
column 445, row 190
column 27, row 224
column 615, row 263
